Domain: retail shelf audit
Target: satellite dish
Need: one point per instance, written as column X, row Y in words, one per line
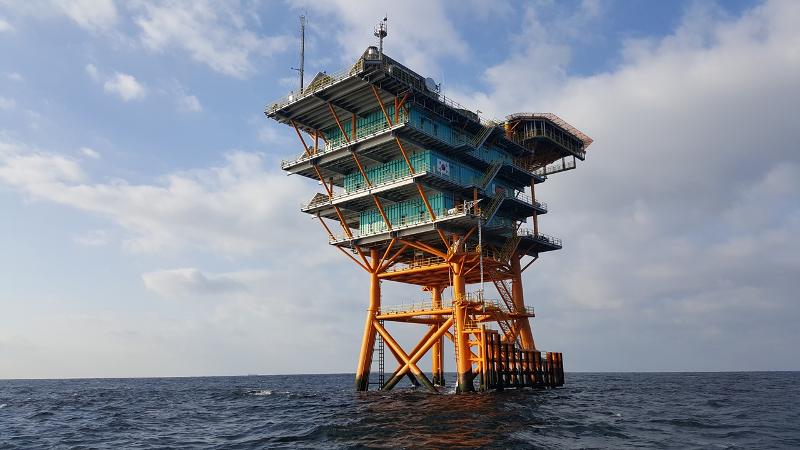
column 430, row 85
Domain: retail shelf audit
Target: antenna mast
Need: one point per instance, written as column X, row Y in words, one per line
column 302, row 49
column 381, row 31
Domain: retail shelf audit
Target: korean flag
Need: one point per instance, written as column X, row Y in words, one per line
column 443, row 167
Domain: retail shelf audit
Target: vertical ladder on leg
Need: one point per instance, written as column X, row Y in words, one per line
column 455, row 344
column 378, row 348
column 381, row 361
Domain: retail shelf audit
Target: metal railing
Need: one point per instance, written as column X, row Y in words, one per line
column 553, row 136
column 355, row 192
column 372, row 130
column 522, row 196
column 504, row 308
column 540, row 237
column 416, row 263
column 457, row 211
column 556, row 166
column 329, row 80
column 556, row 120
column 423, row 306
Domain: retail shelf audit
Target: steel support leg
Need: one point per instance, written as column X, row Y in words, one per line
column 524, row 325
column 437, row 355
column 368, row 341
column 462, row 338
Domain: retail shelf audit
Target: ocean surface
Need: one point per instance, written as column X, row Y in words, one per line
column 593, row 410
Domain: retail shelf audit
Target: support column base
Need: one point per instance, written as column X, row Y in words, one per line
column 465, row 383
column 362, row 382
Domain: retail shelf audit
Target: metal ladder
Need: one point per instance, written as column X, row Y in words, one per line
column 379, row 347
column 455, row 341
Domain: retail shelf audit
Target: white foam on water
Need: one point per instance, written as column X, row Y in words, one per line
column 3, row 405
column 261, row 392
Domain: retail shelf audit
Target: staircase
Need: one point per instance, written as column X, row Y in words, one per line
column 490, row 210
column 483, row 135
column 491, row 172
column 508, row 332
column 504, row 288
column 505, row 293
column 510, row 246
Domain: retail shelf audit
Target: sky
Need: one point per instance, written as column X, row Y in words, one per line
column 146, row 228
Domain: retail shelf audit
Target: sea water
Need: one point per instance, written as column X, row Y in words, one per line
column 593, row 410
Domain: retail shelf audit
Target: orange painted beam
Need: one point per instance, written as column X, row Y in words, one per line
column 431, row 312
column 405, row 155
column 338, row 123
column 361, row 169
column 386, row 252
column 425, row 200
column 330, row 234
column 394, row 257
column 425, row 248
column 409, row 364
column 363, row 258
column 469, row 233
column 380, row 102
column 416, row 347
column 303, row 141
column 322, row 179
column 383, row 214
column 343, row 222
column 433, row 268
column 442, row 237
column 397, row 108
column 351, row 257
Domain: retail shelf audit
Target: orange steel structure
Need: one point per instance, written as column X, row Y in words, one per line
column 427, row 193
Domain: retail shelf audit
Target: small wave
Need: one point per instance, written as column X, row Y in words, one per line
column 260, row 392
column 3, row 405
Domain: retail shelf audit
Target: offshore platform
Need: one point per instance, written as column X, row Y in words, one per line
column 423, row 191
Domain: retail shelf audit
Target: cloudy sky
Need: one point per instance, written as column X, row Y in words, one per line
column 147, row 230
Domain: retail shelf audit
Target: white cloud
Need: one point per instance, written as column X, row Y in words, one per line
column 90, row 153
column 681, row 220
column 92, row 71
column 94, row 238
column 90, row 14
column 189, row 282
column 211, row 324
column 214, row 34
column 238, row 208
column 189, row 103
column 36, row 170
column 7, row 103
column 5, row 26
column 420, row 32
column 184, row 102
column 125, row 86
column 15, row 76
column 34, row 119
